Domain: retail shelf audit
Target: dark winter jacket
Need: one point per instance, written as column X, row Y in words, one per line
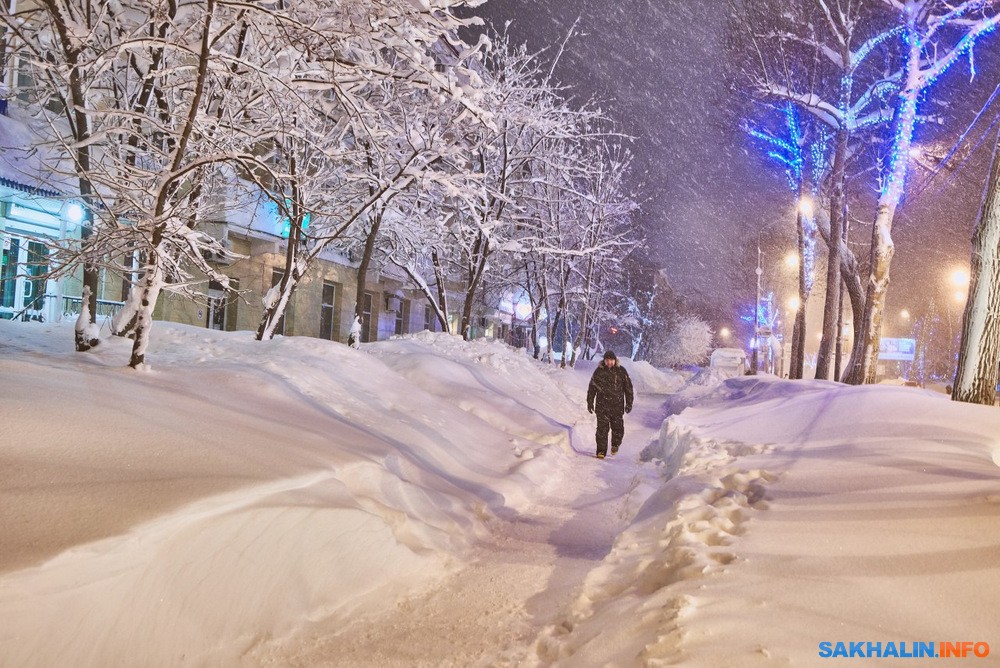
column 610, row 390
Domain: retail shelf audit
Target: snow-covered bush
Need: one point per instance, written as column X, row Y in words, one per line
column 688, row 342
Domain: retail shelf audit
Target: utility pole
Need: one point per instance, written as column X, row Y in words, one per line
column 756, row 316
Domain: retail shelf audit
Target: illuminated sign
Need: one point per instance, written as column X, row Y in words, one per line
column 901, row 350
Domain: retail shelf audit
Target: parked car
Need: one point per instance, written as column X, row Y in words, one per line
column 730, row 360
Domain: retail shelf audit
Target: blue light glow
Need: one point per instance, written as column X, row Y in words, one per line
column 286, row 223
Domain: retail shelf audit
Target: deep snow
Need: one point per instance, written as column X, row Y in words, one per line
column 427, row 501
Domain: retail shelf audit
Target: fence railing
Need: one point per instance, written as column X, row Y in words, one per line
column 105, row 307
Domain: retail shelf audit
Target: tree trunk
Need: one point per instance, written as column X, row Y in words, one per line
column 979, row 353
column 366, row 260
column 546, row 302
column 477, row 266
column 275, row 311
column 442, row 292
column 863, row 367
column 864, row 360
column 535, row 309
column 581, row 335
column 149, row 292
column 857, row 299
column 796, row 363
column 831, row 304
column 851, row 283
column 85, row 329
column 567, row 335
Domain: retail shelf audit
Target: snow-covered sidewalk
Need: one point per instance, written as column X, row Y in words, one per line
column 810, row 521
column 238, row 496
column 428, row 501
column 521, row 576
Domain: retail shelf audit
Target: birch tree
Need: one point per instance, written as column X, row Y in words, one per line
column 129, row 118
column 828, row 58
column 805, row 162
column 936, row 35
column 979, row 351
column 374, row 79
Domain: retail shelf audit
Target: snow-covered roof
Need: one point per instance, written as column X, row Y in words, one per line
column 27, row 164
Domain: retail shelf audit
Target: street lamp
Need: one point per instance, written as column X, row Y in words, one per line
column 756, row 315
column 960, row 279
column 806, row 206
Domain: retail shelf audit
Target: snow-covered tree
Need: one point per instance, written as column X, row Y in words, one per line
column 826, row 57
column 688, row 342
column 605, row 206
column 979, row 351
column 378, row 74
column 62, row 63
column 636, row 318
column 805, row 161
column 530, row 122
column 936, row 35
column 126, row 89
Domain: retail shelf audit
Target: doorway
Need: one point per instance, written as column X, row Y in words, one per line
column 23, row 279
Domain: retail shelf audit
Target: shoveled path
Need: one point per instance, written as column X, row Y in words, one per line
column 491, row 612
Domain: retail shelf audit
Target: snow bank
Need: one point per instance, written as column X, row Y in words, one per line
column 802, row 512
column 651, row 380
column 241, row 502
column 193, row 512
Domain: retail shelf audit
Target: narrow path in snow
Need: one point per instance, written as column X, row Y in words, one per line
column 491, row 612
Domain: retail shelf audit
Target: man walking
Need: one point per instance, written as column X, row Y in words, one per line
column 610, row 392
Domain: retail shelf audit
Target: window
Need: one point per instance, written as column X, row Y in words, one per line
column 216, row 306
column 8, row 273
column 328, row 312
column 429, row 318
column 4, row 64
column 23, row 279
column 130, row 263
column 402, row 315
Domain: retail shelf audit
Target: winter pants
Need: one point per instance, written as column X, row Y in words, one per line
column 616, row 423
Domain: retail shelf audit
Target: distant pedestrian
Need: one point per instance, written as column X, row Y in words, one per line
column 610, row 396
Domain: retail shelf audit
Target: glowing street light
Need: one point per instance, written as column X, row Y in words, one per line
column 960, row 278
column 806, row 207
column 794, row 303
column 792, row 260
column 75, row 213
column 724, row 333
column 904, row 314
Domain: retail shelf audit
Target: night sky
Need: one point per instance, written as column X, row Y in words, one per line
column 656, row 66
